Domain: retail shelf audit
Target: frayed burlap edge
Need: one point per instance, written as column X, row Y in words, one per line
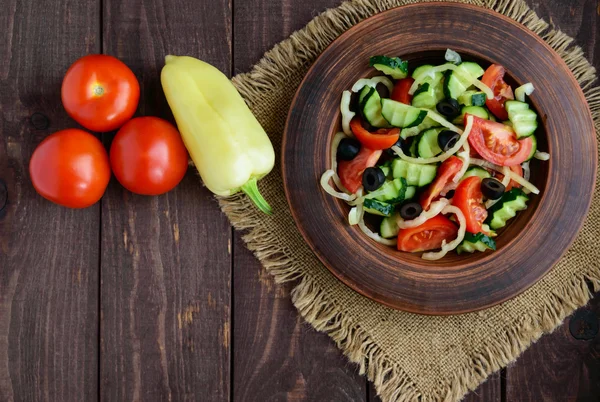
column 314, row 303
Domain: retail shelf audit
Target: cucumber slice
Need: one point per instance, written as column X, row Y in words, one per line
column 476, row 171
column 412, row 131
column 472, row 98
column 523, row 119
column 533, row 148
column 431, row 77
column 389, row 227
column 428, row 95
column 428, row 143
column 386, row 170
column 457, row 82
column 474, row 110
column 401, row 115
column 415, row 174
column 411, row 191
column 412, row 150
column 395, row 67
column 476, row 242
column 370, row 102
column 376, row 207
column 511, row 202
column 393, row 191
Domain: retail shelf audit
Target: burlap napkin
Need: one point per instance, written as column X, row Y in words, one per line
column 408, row 357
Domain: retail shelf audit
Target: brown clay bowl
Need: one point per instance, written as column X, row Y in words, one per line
column 529, row 246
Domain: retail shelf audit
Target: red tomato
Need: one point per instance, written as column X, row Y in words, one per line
column 350, row 172
column 427, row 236
column 70, row 168
column 100, row 92
column 148, row 156
column 383, row 138
column 447, row 170
column 512, row 184
column 494, row 78
column 400, row 92
column 498, row 143
column 469, row 199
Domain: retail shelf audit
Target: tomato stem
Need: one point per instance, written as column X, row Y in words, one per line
column 251, row 190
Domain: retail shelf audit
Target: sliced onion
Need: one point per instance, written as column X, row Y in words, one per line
column 452, row 57
column 465, row 155
column 449, row 66
column 445, row 155
column 443, row 122
column 491, row 203
column 526, row 170
column 330, row 190
column 486, row 164
column 526, row 184
column 347, row 114
column 372, row 82
column 337, row 138
column 543, row 156
column 506, row 172
column 447, row 188
column 375, row 236
column 449, row 209
column 525, row 89
column 435, row 209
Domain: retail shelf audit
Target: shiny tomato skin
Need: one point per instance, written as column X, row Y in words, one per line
column 70, row 168
column 350, row 172
column 498, row 143
column 427, row 236
column 400, row 92
column 469, row 199
column 100, row 92
column 383, row 138
column 446, row 172
column 148, row 156
column 494, row 78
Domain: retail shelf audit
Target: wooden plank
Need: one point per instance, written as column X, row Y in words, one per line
column 276, row 354
column 560, row 367
column 166, row 269
column 48, row 254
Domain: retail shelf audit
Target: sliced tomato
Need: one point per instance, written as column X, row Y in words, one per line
column 400, row 92
column 469, row 199
column 494, row 78
column 445, row 173
column 497, row 143
column 383, row 138
column 512, row 184
column 427, row 236
column 351, row 172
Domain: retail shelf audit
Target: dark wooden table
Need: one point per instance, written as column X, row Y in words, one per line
column 156, row 298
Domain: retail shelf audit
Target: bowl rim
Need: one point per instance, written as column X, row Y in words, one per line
column 365, row 291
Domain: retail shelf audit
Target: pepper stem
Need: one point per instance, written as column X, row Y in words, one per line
column 251, row 190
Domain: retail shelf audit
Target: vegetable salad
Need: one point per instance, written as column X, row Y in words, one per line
column 441, row 155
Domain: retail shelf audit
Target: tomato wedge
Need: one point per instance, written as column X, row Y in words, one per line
column 512, row 184
column 350, row 172
column 498, row 143
column 494, row 78
column 427, row 236
column 469, row 199
column 400, row 92
column 445, row 173
column 383, row 138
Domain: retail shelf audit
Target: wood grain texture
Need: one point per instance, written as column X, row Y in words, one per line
column 560, row 367
column 454, row 284
column 166, row 268
column 276, row 355
column 48, row 254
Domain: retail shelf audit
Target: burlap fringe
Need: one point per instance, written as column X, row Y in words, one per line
column 313, row 303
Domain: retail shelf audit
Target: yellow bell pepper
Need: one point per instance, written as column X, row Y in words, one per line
column 227, row 144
